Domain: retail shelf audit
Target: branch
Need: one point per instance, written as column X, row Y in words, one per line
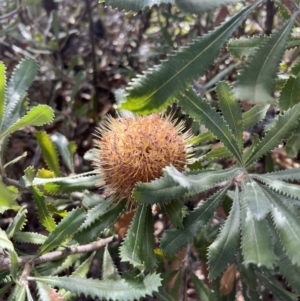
column 94, row 246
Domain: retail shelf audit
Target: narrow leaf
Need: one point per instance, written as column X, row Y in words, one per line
column 18, row 223
column 132, row 247
column 162, row 190
column 254, row 115
column 37, row 116
column 293, row 146
column 283, row 128
column 204, row 293
column 256, row 241
column 255, row 200
column 175, row 210
column 66, row 228
column 257, row 79
column 200, row 110
column 290, row 94
column 48, row 151
column 135, row 5
column 2, row 89
column 285, row 174
column 6, row 200
column 109, row 271
column 29, row 238
column 157, row 87
column 231, row 111
column 105, row 289
column 216, row 154
column 175, row 239
column 221, row 251
column 199, row 181
column 287, row 225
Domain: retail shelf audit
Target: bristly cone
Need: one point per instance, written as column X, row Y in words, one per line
column 130, row 150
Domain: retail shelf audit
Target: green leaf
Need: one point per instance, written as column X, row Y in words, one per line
column 283, row 128
column 201, row 111
column 221, row 251
column 175, row 239
column 202, row 138
column 5, row 243
column 2, row 89
column 275, row 286
column 8, row 29
column 215, row 154
column 290, row 94
column 29, row 237
column 255, row 200
column 159, row 191
column 290, row 190
column 287, row 225
column 18, row 294
column 254, row 115
column 204, row 293
column 257, row 79
column 197, row 7
column 175, row 210
column 18, row 223
column 43, row 291
column 23, row 76
column 148, row 255
column 248, row 151
column 37, row 116
column 256, row 241
column 62, row 146
column 105, row 289
column 135, row 5
column 285, row 174
column 66, row 228
column 48, row 151
column 158, row 87
column 6, row 200
column 293, row 146
column 109, row 271
column 198, row 181
column 13, row 161
column 69, row 184
column 132, row 247
column 105, row 220
column 231, row 111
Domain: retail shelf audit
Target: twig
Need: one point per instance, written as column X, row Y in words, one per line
column 23, row 260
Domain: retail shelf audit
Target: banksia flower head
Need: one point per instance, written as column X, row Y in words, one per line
column 130, row 150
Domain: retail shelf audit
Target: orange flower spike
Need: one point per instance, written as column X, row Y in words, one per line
column 130, row 150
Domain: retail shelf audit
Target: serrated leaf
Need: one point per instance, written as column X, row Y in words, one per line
column 18, row 293
column 109, row 271
column 198, row 181
column 29, row 237
column 257, row 79
column 287, row 225
column 106, row 289
column 256, row 241
column 159, row 191
column 17, row 223
column 65, row 264
column 23, row 76
column 293, row 146
column 148, row 255
column 62, row 146
column 5, row 243
column 135, row 5
column 6, row 200
column 204, row 293
column 66, row 228
column 175, row 239
column 248, row 151
column 132, row 247
column 275, row 286
column 158, row 87
column 175, row 210
column 201, row 111
column 290, row 190
column 283, row 128
column 285, row 174
column 43, row 291
column 70, row 184
column 215, row 154
column 221, row 251
column 14, row 264
column 202, row 138
column 231, row 111
column 2, row 89
column 255, row 200
column 48, row 151
column 106, row 220
column 37, row 116
column 254, row 115
column 290, row 94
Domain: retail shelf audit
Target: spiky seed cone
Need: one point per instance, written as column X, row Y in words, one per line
column 130, row 150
